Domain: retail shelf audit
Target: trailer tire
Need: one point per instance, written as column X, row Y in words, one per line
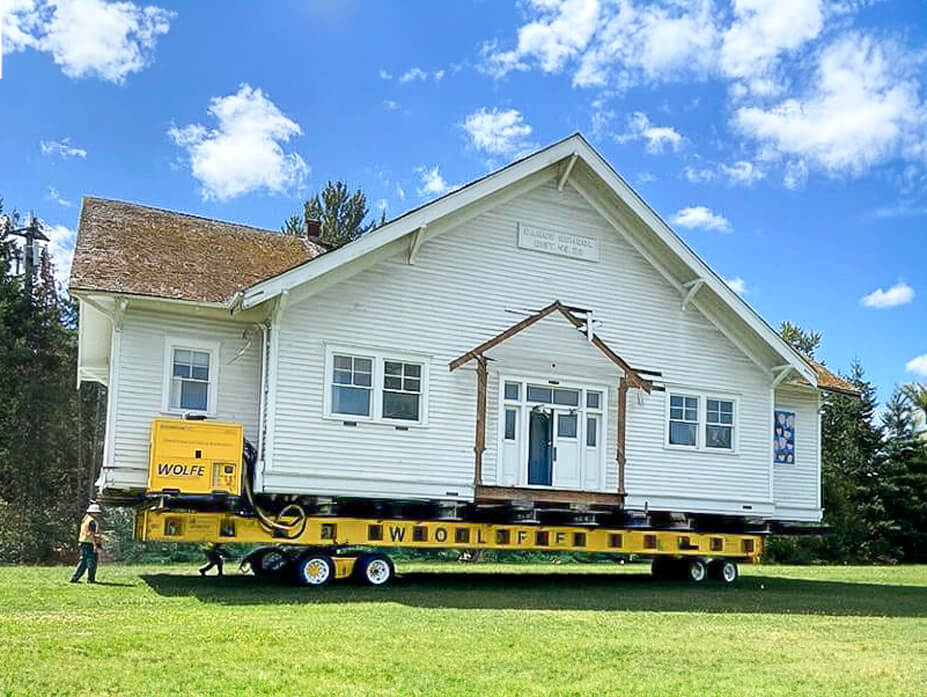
column 696, row 570
column 269, row 562
column 315, row 569
column 374, row 569
column 724, row 570
column 664, row 568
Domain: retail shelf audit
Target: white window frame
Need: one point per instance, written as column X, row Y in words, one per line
column 213, row 348
column 379, row 357
column 522, row 421
column 698, row 418
column 703, row 396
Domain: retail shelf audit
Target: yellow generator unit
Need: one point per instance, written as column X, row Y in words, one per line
column 195, row 457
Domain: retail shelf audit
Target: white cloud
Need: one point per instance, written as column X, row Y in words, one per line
column 54, row 195
column 861, row 110
column 390, row 105
column 62, row 148
column 699, row 175
column 742, row 172
column 700, row 218
column 796, row 174
column 400, row 192
column 738, row 285
column 61, row 250
column 646, row 177
column 438, row 75
column 385, row 75
column 498, row 132
column 243, row 153
column 87, row 38
column 413, row 74
column 561, row 31
column 657, row 137
column 433, row 183
column 901, row 210
column 899, row 294
column 917, row 365
column 761, row 30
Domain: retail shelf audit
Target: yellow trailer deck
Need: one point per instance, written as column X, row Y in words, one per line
column 327, row 536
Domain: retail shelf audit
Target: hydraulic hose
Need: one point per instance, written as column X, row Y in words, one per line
column 289, row 530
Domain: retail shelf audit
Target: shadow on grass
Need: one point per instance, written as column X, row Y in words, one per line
column 567, row 591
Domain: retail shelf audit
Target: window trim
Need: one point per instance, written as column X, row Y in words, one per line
column 703, row 396
column 698, row 418
column 379, row 357
column 213, row 348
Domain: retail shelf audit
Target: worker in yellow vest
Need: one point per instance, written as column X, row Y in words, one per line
column 89, row 539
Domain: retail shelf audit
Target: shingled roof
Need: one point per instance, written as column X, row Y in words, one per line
column 829, row 381
column 138, row 250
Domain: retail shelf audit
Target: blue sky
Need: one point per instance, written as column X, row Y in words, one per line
column 786, row 142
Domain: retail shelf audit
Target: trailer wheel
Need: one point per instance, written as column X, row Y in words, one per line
column 696, row 570
column 375, row 569
column 315, row 570
column 270, row 561
column 724, row 570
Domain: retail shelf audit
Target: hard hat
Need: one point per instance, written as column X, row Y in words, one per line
column 94, row 508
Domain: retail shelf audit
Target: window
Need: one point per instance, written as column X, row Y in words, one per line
column 190, row 380
column 511, row 421
column 547, row 395
column 592, row 424
column 683, row 420
column 402, row 390
column 784, row 437
column 719, row 424
column 366, row 385
column 191, row 372
column 352, row 383
column 593, row 400
column 513, row 391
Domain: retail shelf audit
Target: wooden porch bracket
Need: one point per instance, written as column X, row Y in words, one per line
column 479, row 445
column 622, row 411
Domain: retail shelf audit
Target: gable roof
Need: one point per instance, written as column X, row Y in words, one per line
column 131, row 249
column 558, row 159
column 634, row 379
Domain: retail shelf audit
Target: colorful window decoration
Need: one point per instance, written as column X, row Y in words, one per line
column 784, row 436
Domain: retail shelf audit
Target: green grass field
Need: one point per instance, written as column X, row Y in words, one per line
column 482, row 629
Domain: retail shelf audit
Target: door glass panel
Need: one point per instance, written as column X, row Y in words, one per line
column 594, row 400
column 592, row 424
column 566, row 425
column 512, row 391
column 511, row 417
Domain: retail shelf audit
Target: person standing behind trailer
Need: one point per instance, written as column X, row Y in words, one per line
column 89, row 540
column 214, row 556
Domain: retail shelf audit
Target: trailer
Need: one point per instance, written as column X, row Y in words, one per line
column 321, row 548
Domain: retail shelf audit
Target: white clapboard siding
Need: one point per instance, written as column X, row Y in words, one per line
column 454, row 298
column 137, row 397
column 798, row 485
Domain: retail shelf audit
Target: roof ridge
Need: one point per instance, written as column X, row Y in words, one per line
column 185, row 214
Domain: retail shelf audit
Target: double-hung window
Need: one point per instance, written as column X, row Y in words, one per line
column 374, row 386
column 719, row 424
column 683, row 420
column 402, row 390
column 190, row 376
column 352, row 383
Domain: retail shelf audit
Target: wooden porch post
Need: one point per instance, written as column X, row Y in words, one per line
column 622, row 419
column 480, row 441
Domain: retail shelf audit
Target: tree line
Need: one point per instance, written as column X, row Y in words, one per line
column 874, row 469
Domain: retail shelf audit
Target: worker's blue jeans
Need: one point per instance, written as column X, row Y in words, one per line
column 88, row 563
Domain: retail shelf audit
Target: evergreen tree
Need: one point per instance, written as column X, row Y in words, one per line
column 805, row 341
column 46, row 427
column 342, row 214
